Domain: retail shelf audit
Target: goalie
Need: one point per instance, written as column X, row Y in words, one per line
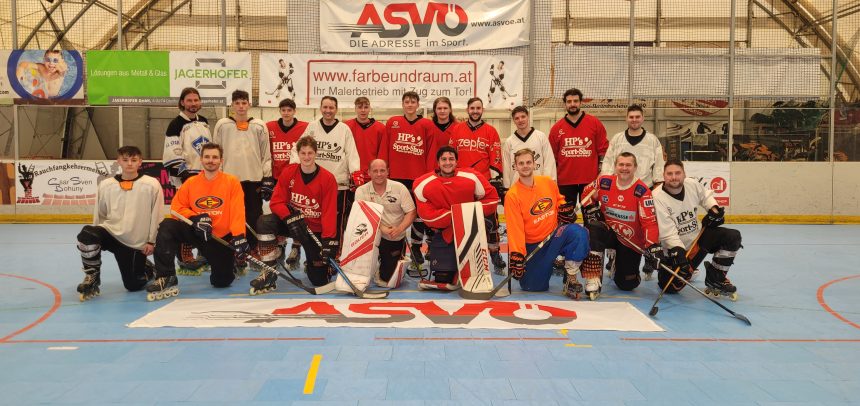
column 534, row 210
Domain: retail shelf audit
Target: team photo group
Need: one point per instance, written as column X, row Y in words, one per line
column 360, row 203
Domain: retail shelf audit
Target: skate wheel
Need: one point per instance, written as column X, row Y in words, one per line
column 593, row 295
column 83, row 297
column 150, row 297
column 253, row 292
column 734, row 297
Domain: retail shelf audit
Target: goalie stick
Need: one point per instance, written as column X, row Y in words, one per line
column 319, row 290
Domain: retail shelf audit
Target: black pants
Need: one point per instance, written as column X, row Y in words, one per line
column 572, row 193
column 390, row 252
column 253, row 208
column 131, row 262
column 318, row 270
column 173, row 232
column 601, row 237
column 344, row 206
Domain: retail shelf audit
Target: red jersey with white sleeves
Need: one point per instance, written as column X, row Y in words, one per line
column 314, row 194
column 406, row 146
column 577, row 148
column 478, row 147
column 281, row 140
column 368, row 138
column 628, row 211
column 441, row 137
column 435, row 194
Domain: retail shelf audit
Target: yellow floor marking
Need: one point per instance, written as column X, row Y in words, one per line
column 578, row 345
column 311, row 380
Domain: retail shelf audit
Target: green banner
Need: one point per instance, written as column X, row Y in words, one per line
column 128, row 77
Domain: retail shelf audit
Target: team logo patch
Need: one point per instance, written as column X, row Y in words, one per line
column 604, row 198
column 605, row 183
column 639, row 190
column 541, row 206
column 649, row 203
column 361, row 229
column 208, row 202
column 391, row 199
column 620, row 198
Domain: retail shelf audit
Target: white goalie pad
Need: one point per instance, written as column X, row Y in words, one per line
column 359, row 256
column 470, row 243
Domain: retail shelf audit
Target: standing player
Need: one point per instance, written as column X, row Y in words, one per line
column 435, row 193
column 367, row 133
column 579, row 143
column 677, row 202
column 213, row 201
column 497, row 76
column 305, row 198
column 125, row 220
column 534, row 209
column 398, row 213
column 649, row 158
column 185, row 134
column 621, row 205
column 406, row 147
column 445, row 122
column 336, row 153
column 283, row 134
column 477, row 144
column 248, row 157
column 285, row 74
column 526, row 136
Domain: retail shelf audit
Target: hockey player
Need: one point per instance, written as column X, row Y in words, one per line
column 285, row 75
column 435, row 193
column 125, row 220
column 305, row 198
column 214, row 203
column 397, row 216
column 248, row 157
column 621, row 204
column 534, row 209
column 337, row 154
column 579, row 143
column 477, row 144
column 367, row 133
column 649, row 157
column 445, row 122
column 406, row 147
column 497, row 76
column 185, row 134
column 526, row 136
column 283, row 134
column 677, row 202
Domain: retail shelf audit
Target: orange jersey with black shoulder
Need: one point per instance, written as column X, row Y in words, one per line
column 221, row 198
column 531, row 212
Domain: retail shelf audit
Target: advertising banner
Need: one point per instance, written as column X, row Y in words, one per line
column 306, row 78
column 713, row 175
column 398, row 26
column 155, row 78
column 42, row 77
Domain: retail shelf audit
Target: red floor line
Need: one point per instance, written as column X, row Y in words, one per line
column 58, row 298
column 744, row 340
column 826, row 307
column 472, row 338
column 164, row 340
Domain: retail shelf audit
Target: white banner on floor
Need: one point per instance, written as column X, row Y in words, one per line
column 306, row 78
column 500, row 315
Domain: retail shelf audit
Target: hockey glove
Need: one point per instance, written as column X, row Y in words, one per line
column 517, row 265
column 714, row 220
column 296, row 226
column 240, row 245
column 358, row 178
column 592, row 214
column 329, row 248
column 497, row 184
column 202, row 225
column 567, row 213
column 267, row 186
column 186, row 174
column 654, row 255
column 678, row 257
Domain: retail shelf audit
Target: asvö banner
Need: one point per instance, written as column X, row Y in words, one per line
column 418, row 26
column 306, row 78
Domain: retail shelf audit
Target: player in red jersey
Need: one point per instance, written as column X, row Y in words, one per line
column 621, row 207
column 579, row 143
column 479, row 148
column 445, row 122
column 367, row 133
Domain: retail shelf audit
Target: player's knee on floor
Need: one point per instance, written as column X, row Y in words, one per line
column 318, row 272
column 627, row 281
column 222, row 279
column 445, row 277
column 731, row 240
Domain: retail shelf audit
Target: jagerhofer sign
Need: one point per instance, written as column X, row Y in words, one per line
column 157, row 77
column 418, row 26
column 414, row 313
column 306, row 78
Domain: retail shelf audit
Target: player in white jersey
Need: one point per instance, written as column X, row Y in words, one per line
column 336, row 152
column 247, row 156
column 677, row 202
column 125, row 220
column 526, row 136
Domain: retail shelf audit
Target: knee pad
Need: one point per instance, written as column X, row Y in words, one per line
column 89, row 235
column 267, row 224
column 732, row 240
column 267, row 246
column 627, row 281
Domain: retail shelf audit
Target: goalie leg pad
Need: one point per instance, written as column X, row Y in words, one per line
column 592, row 266
column 89, row 245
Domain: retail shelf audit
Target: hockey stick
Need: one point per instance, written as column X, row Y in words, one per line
column 372, row 294
column 314, row 291
column 694, row 250
column 690, row 284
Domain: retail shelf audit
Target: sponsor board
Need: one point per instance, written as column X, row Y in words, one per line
column 416, row 313
column 421, row 25
column 306, row 78
column 713, row 175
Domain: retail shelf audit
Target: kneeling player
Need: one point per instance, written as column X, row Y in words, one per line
column 534, row 208
column 305, row 197
column 127, row 213
column 619, row 215
column 398, row 213
column 676, row 202
column 214, row 203
column 435, row 193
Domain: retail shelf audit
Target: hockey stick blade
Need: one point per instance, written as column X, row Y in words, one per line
column 505, row 282
column 690, row 254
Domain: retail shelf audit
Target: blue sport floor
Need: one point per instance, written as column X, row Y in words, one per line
column 798, row 285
